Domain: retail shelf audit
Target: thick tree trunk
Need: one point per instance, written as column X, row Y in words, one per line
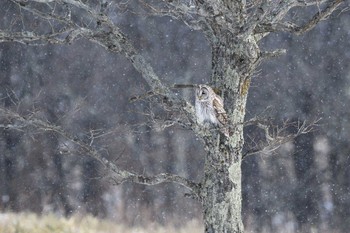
column 234, row 61
column 222, row 191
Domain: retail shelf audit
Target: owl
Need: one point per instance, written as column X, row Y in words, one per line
column 210, row 108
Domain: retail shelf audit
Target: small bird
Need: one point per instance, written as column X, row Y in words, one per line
column 210, row 108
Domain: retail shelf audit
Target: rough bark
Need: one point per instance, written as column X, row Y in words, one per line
column 233, row 60
column 221, row 190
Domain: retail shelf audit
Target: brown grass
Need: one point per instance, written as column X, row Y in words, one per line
column 31, row 223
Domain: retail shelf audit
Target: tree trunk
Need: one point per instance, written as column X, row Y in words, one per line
column 222, row 191
column 234, row 61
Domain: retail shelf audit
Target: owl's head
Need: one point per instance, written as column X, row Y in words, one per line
column 203, row 93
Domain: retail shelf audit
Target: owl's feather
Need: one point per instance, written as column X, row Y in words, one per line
column 220, row 111
column 210, row 108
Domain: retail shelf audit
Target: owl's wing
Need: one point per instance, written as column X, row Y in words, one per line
column 220, row 112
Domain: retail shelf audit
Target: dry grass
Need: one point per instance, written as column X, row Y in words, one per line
column 31, row 223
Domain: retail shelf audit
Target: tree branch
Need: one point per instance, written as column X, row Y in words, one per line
column 256, row 17
column 190, row 14
column 275, row 23
column 272, row 54
column 106, row 34
column 277, row 136
column 18, row 122
column 31, row 38
column 319, row 16
column 112, row 39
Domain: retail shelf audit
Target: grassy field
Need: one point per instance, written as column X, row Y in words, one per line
column 31, row 223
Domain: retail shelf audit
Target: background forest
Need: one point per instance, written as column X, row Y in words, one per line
column 303, row 185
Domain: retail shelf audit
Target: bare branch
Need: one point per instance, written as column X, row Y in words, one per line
column 275, row 23
column 256, row 17
column 142, row 97
column 18, row 122
column 185, row 85
column 122, row 176
column 40, row 1
column 277, row 136
column 272, row 54
column 109, row 36
column 189, row 14
column 319, row 16
column 282, row 9
column 31, row 38
column 112, row 39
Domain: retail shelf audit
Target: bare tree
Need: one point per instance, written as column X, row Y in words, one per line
column 233, row 30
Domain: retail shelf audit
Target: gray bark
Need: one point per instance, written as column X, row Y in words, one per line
column 233, row 61
column 221, row 190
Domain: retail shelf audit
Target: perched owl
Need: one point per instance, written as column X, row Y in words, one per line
column 210, row 108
